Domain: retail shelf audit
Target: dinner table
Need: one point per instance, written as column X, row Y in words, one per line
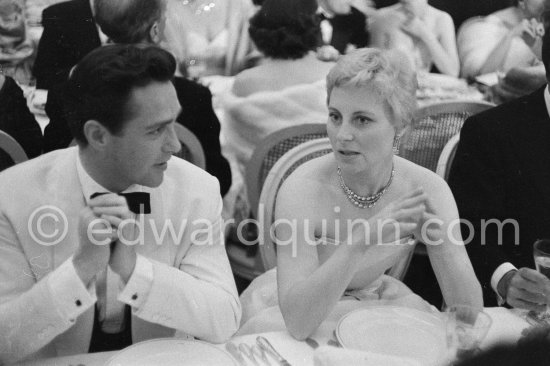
column 508, row 326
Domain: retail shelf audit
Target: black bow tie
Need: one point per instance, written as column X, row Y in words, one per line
column 138, row 202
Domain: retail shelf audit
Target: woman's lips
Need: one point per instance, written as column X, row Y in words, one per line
column 348, row 152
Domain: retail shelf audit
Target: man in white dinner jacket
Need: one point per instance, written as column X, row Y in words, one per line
column 113, row 242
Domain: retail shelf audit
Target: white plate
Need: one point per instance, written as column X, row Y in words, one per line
column 396, row 331
column 171, row 352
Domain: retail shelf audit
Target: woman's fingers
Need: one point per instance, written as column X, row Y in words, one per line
column 412, row 198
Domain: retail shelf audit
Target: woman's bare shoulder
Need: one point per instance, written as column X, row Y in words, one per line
column 309, row 178
column 418, row 176
column 506, row 15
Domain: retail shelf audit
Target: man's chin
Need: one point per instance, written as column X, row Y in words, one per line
column 153, row 182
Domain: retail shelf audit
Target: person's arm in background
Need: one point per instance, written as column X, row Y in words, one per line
column 441, row 44
column 525, row 31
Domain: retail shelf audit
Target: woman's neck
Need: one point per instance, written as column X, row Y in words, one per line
column 370, row 181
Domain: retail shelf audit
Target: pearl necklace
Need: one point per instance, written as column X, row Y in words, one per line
column 204, row 7
column 364, row 201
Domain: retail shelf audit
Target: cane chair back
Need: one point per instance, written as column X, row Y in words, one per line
column 269, row 151
column 191, row 147
column 447, row 156
column 432, row 127
column 11, row 152
column 245, row 260
column 281, row 170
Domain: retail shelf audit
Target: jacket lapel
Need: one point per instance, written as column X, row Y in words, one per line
column 65, row 193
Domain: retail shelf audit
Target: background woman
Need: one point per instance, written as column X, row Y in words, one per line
column 370, row 101
column 508, row 38
column 424, row 33
column 287, row 89
column 209, row 37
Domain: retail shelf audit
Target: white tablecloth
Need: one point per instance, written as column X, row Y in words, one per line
column 507, row 327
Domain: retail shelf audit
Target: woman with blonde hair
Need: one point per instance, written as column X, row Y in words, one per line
column 375, row 205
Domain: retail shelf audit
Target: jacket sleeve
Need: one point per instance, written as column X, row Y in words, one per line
column 33, row 313
column 198, row 295
column 478, row 181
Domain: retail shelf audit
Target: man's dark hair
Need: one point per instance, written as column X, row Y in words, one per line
column 292, row 40
column 128, row 21
column 100, row 85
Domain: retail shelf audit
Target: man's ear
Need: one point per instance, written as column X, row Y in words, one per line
column 154, row 33
column 96, row 134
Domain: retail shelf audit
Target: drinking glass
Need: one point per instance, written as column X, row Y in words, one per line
column 541, row 254
column 466, row 328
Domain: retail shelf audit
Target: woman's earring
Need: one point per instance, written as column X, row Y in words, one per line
column 396, row 140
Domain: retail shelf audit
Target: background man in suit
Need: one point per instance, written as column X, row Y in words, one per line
column 348, row 20
column 69, row 33
column 502, row 171
column 117, row 20
column 122, row 109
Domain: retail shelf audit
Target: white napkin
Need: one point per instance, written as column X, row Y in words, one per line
column 332, row 356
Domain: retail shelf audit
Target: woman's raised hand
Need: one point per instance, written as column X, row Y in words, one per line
column 401, row 218
column 529, row 30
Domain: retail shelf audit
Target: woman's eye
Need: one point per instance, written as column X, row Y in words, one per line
column 363, row 120
column 334, row 117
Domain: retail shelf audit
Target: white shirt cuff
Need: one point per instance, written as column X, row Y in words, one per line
column 137, row 289
column 499, row 273
column 68, row 291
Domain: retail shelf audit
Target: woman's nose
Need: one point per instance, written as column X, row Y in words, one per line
column 345, row 133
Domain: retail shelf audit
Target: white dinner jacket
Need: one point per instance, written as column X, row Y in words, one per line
column 193, row 290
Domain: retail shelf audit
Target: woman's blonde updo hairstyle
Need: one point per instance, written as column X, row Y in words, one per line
column 387, row 71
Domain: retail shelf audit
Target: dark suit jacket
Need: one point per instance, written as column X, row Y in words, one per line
column 69, row 34
column 17, row 120
column 502, row 171
column 349, row 29
column 197, row 115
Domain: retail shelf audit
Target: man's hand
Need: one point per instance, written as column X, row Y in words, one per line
column 92, row 254
column 114, row 209
column 525, row 289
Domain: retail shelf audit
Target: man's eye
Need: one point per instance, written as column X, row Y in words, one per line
column 157, row 131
